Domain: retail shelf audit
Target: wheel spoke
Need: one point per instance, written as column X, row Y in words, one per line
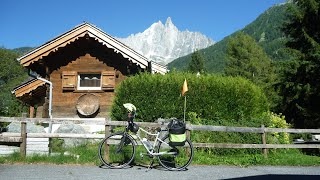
column 175, row 158
column 117, row 152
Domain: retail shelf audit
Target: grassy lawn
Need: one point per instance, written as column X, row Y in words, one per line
column 89, row 155
column 278, row 158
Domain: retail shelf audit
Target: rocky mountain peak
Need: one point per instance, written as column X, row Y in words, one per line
column 164, row 42
column 169, row 22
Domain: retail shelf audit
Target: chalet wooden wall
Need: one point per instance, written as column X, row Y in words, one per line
column 64, row 101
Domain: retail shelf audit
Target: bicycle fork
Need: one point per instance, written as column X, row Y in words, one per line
column 121, row 144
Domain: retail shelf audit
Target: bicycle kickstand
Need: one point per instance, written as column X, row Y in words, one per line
column 150, row 166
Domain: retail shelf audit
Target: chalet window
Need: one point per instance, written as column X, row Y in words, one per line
column 89, row 81
column 72, row 80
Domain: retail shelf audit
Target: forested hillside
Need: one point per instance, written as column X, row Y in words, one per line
column 11, row 75
column 22, row 50
column 266, row 30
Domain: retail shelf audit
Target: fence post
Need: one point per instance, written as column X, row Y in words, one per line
column 23, row 145
column 264, row 141
column 188, row 137
column 107, row 133
column 188, row 132
column 31, row 111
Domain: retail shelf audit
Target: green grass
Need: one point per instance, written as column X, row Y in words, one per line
column 89, row 155
column 78, row 155
column 281, row 157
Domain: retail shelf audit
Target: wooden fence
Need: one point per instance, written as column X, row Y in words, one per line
column 20, row 138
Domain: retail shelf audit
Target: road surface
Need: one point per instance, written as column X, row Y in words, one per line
column 84, row 172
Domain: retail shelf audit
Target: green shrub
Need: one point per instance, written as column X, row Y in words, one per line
column 211, row 100
column 268, row 119
column 278, row 121
column 226, row 137
column 212, row 97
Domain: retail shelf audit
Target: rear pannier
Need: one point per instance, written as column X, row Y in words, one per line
column 177, row 132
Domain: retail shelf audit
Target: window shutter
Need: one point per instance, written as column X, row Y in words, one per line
column 69, row 80
column 108, row 80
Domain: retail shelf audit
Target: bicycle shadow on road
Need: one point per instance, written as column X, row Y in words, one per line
column 280, row 177
column 140, row 167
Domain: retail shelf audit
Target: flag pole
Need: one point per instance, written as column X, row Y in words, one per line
column 184, row 90
column 185, row 107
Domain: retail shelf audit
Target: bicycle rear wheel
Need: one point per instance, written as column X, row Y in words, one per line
column 117, row 150
column 174, row 157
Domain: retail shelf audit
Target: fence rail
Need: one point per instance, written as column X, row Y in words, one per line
column 53, row 135
column 255, row 146
column 21, row 137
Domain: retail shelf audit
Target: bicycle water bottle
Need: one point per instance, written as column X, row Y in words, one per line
column 147, row 143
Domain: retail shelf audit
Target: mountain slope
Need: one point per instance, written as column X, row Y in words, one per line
column 266, row 30
column 22, row 50
column 164, row 42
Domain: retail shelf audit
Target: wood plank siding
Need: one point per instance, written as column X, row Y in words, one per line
column 65, row 100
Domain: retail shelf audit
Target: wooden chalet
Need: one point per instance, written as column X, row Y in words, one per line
column 84, row 65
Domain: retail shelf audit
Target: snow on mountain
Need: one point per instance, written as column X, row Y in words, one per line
column 163, row 43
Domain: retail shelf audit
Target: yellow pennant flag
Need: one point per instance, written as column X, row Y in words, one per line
column 184, row 87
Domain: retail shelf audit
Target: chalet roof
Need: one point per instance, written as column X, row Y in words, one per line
column 87, row 29
column 30, row 91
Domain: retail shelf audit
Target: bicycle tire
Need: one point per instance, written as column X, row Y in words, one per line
column 179, row 161
column 121, row 150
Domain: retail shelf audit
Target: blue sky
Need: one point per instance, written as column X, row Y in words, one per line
column 34, row 22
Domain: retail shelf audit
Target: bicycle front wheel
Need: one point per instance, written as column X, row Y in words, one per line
column 117, row 150
column 174, row 157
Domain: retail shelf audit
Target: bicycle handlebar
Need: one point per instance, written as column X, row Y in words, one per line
column 131, row 117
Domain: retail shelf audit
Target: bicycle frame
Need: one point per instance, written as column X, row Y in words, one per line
column 156, row 141
column 151, row 152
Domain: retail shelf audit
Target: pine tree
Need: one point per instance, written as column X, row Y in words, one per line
column 300, row 85
column 247, row 59
column 197, row 62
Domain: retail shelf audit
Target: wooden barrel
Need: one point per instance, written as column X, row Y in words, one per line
column 87, row 104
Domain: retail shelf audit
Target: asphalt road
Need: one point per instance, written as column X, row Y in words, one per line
column 70, row 172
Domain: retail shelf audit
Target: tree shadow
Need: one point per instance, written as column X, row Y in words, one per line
column 281, row 177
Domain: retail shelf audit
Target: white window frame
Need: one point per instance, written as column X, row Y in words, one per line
column 88, row 88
